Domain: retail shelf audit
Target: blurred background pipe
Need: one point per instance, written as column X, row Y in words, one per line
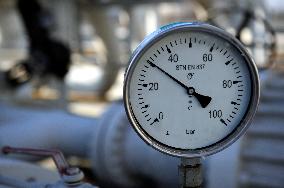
column 118, row 156
column 45, row 129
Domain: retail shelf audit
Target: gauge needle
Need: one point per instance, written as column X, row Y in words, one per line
column 202, row 99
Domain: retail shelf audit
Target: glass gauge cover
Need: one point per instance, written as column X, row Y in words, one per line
column 191, row 89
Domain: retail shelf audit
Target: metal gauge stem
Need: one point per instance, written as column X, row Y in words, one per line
column 191, row 89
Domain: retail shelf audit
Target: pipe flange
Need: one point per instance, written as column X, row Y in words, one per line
column 107, row 147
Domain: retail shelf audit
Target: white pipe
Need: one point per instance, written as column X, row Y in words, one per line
column 54, row 129
column 105, row 28
column 119, row 157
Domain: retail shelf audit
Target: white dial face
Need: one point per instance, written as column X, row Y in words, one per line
column 189, row 89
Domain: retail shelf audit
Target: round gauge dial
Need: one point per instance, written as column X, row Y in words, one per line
column 190, row 89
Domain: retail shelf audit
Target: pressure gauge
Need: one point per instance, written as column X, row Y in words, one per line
column 191, row 89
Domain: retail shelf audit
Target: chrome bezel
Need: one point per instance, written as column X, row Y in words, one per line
column 238, row 131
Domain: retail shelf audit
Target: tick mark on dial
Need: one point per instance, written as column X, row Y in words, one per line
column 148, row 61
column 190, row 44
column 237, row 81
column 228, row 62
column 155, row 120
column 223, row 121
column 144, row 85
column 146, row 106
column 151, row 58
column 169, row 51
column 234, row 103
column 158, row 52
column 171, row 44
column 212, row 47
column 189, row 131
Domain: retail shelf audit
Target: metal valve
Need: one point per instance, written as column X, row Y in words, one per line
column 71, row 176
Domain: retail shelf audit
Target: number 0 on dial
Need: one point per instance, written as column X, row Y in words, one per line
column 190, row 89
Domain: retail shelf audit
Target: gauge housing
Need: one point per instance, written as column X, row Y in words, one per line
column 243, row 124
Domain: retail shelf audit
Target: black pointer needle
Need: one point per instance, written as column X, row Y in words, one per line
column 202, row 99
column 180, row 83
